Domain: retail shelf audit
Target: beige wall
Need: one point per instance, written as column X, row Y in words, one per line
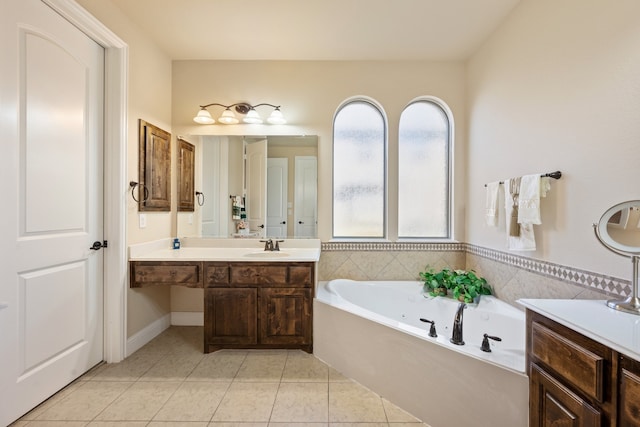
column 149, row 90
column 310, row 92
column 557, row 87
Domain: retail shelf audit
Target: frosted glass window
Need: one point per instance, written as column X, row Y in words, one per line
column 359, row 165
column 423, row 177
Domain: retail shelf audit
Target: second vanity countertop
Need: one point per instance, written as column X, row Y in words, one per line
column 238, row 250
column 594, row 319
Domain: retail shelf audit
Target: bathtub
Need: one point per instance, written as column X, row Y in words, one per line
column 371, row 332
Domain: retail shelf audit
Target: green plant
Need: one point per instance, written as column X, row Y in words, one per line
column 464, row 285
column 437, row 284
column 467, row 286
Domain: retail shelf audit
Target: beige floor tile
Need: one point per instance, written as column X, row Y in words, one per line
column 262, row 366
column 59, row 423
column 298, row 424
column 117, row 424
column 409, row 424
column 86, row 401
column 173, row 367
column 335, row 376
column 140, row 402
column 53, row 400
column 397, row 415
column 224, row 424
column 193, row 401
column 218, row 366
column 358, row 424
column 130, row 369
column 301, row 402
column 350, row 402
column 177, row 424
column 304, row 367
column 247, row 402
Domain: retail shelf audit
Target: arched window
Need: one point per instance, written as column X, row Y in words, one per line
column 359, row 170
column 424, row 163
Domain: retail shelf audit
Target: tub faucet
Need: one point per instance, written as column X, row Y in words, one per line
column 456, row 337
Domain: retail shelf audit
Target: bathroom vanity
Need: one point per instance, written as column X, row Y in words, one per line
column 252, row 298
column 583, row 363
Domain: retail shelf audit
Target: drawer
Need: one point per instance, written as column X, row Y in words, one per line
column 216, row 274
column 301, row 275
column 259, row 274
column 573, row 357
column 165, row 273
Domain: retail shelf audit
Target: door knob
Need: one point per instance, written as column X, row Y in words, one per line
column 261, row 226
column 300, row 222
column 283, row 222
column 97, row 245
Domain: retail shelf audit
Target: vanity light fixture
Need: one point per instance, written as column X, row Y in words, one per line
column 228, row 117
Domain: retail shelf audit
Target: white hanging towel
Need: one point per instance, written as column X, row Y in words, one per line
column 525, row 239
column 491, row 204
column 532, row 188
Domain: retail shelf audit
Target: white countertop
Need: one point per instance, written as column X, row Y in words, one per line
column 594, row 319
column 245, row 250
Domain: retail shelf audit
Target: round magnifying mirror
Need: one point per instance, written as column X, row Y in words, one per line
column 619, row 228
column 619, row 231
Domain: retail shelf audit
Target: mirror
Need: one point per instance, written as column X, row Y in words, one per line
column 619, row 231
column 268, row 182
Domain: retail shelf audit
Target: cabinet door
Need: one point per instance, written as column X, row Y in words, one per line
column 553, row 404
column 230, row 316
column 285, row 316
column 629, row 398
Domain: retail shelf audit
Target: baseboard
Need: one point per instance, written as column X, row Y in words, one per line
column 187, row 318
column 140, row 338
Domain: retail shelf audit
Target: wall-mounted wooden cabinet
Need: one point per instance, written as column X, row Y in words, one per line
column 154, row 168
column 577, row 381
column 186, row 176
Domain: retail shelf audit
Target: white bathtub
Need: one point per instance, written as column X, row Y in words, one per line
column 371, row 332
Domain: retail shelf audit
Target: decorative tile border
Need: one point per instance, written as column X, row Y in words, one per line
column 583, row 278
column 392, row 246
column 576, row 276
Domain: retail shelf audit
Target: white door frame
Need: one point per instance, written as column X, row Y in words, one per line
column 115, row 160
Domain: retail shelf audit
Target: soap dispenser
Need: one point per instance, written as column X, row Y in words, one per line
column 176, row 243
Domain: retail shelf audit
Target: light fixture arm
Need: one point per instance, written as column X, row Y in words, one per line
column 244, row 108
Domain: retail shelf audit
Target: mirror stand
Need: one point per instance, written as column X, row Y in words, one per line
column 632, row 303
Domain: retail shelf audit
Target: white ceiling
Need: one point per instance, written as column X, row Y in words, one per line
column 439, row 30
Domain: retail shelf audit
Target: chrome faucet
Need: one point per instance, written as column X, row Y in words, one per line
column 456, row 337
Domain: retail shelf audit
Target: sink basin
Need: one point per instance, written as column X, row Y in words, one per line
column 267, row 254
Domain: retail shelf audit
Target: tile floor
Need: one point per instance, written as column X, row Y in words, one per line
column 170, row 382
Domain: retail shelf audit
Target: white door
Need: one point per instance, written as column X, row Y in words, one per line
column 215, row 186
column 51, row 323
column 277, row 187
column 256, row 182
column 306, row 196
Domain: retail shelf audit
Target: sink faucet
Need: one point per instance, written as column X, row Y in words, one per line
column 456, row 337
column 268, row 244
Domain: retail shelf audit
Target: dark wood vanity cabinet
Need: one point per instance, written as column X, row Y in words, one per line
column 258, row 305
column 576, row 381
column 154, row 273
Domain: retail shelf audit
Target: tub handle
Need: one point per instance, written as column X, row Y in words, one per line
column 485, row 342
column 432, row 329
